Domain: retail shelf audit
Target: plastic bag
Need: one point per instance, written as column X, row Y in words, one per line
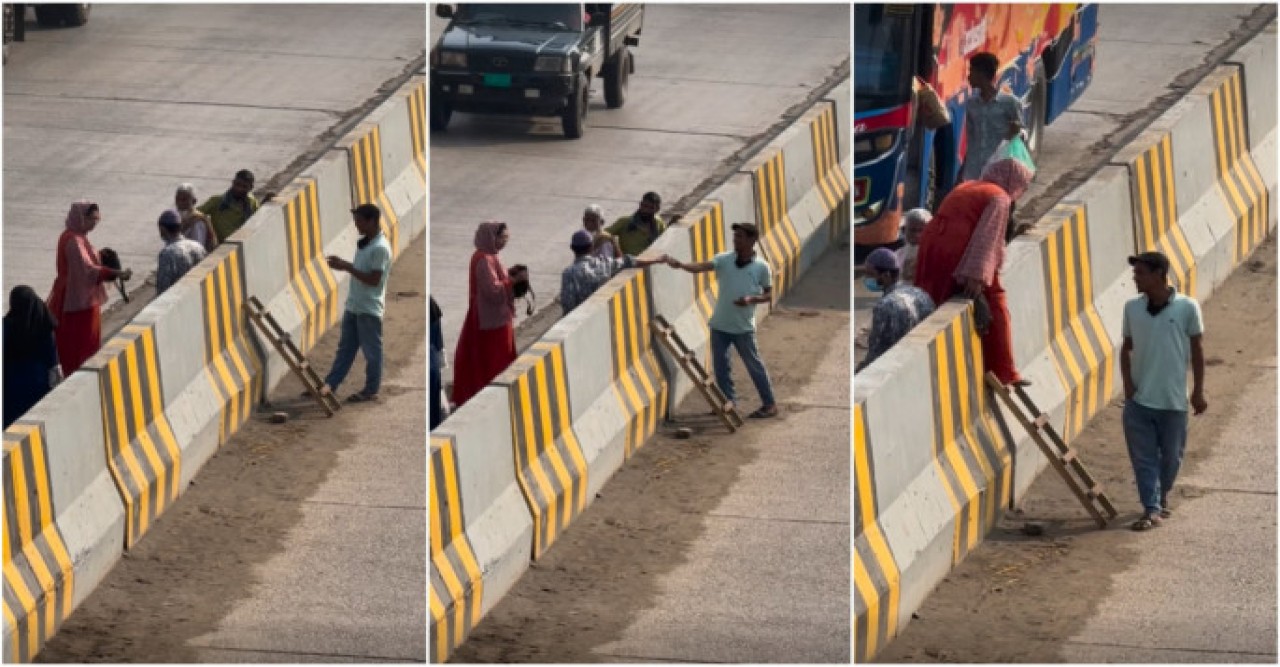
column 1012, row 149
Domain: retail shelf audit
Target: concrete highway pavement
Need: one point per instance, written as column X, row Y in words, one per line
column 145, row 97
column 1203, row 587
column 709, row 80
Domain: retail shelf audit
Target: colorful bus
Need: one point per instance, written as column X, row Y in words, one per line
column 1046, row 57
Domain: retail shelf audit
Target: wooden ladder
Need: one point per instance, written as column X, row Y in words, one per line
column 666, row 334
column 1064, row 459
column 283, row 343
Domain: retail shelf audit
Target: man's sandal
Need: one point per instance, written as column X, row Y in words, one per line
column 1147, row 522
column 763, row 414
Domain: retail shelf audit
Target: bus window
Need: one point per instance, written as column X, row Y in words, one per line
column 883, row 49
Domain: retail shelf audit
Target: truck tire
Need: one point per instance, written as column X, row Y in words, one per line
column 574, row 117
column 441, row 112
column 55, row 16
column 617, row 73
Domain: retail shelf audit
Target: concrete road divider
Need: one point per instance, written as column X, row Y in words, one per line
column 60, row 500
column 457, row 583
column 97, row 462
column 1196, row 185
column 38, row 574
column 496, row 523
column 388, row 166
column 142, row 452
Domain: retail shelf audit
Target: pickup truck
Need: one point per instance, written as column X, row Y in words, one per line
column 532, row 60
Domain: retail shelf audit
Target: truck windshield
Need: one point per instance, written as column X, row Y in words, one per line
column 883, row 44
column 562, row 17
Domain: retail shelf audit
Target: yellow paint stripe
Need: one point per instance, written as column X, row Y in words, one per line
column 142, row 500
column 1055, row 282
column 551, row 452
column 862, row 580
column 566, row 427
column 52, row 534
column 1144, row 206
column 944, row 399
column 440, row 639
column 636, row 319
column 620, row 353
column 542, row 515
column 952, row 449
column 163, row 429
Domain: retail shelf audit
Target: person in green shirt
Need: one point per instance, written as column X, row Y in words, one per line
column 230, row 210
column 634, row 233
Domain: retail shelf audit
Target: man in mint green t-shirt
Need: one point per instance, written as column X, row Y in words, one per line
column 362, row 320
column 1162, row 332
column 744, row 280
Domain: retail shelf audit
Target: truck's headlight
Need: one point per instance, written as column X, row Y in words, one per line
column 551, row 64
column 453, row 59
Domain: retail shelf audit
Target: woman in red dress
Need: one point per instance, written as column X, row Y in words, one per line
column 487, row 344
column 962, row 249
column 78, row 292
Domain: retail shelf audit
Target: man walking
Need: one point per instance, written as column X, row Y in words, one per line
column 179, row 253
column 230, row 210
column 1162, row 331
column 588, row 272
column 362, row 321
column 989, row 116
column 898, row 311
column 744, row 280
column 636, row 232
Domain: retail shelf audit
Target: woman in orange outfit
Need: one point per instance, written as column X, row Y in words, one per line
column 962, row 249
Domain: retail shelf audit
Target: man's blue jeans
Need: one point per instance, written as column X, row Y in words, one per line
column 365, row 333
column 746, row 344
column 1157, row 440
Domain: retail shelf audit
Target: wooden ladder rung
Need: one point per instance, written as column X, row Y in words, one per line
column 1070, row 456
column 1042, row 420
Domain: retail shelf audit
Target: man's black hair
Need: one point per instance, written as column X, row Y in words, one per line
column 244, row 175
column 986, row 63
column 653, row 198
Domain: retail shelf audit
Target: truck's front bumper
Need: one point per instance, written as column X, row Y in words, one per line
column 516, row 93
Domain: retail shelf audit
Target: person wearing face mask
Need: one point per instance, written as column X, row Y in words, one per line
column 636, row 232
column 900, row 308
column 962, row 251
column 487, row 344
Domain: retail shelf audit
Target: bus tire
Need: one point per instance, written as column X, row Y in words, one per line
column 1039, row 102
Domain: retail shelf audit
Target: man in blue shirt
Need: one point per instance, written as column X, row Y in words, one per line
column 744, row 280
column 362, row 321
column 1162, row 331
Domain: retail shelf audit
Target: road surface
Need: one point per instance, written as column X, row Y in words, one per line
column 719, row 548
column 145, row 97
column 709, row 81
column 1148, row 57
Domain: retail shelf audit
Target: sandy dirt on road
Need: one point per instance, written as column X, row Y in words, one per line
column 198, row 560
column 1018, row 598
column 606, row 568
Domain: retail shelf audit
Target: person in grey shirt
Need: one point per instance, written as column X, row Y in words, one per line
column 989, row 115
column 588, row 271
column 179, row 253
